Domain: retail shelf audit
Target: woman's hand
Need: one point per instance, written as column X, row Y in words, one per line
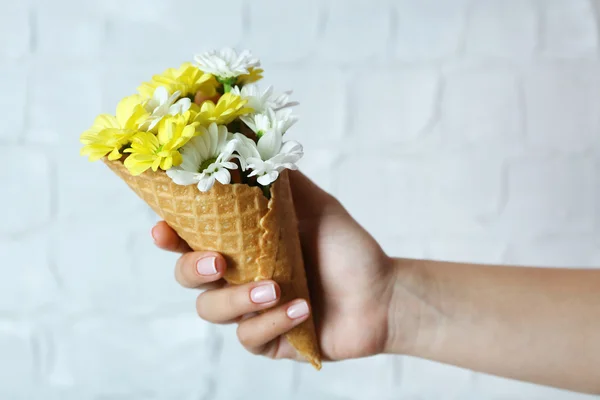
column 351, row 282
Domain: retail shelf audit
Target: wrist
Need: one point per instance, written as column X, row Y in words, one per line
column 414, row 313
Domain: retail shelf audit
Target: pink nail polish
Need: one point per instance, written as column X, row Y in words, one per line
column 263, row 294
column 207, row 266
column 298, row 310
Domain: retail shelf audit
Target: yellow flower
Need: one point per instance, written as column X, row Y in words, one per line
column 162, row 150
column 187, row 79
column 228, row 108
column 109, row 134
column 253, row 75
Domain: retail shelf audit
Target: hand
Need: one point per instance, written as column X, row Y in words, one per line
column 351, row 282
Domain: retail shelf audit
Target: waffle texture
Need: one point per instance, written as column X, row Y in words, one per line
column 258, row 237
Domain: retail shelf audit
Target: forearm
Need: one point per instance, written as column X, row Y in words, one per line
column 532, row 324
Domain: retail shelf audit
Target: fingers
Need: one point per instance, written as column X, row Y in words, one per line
column 167, row 239
column 231, row 303
column 196, row 269
column 258, row 335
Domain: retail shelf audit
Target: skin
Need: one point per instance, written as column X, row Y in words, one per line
column 532, row 324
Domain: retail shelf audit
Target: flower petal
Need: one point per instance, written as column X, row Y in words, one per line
column 223, row 176
column 206, row 182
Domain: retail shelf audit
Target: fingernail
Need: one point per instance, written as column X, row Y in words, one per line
column 207, row 266
column 152, row 233
column 298, row 310
column 263, row 294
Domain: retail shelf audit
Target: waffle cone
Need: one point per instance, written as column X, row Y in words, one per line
column 258, row 237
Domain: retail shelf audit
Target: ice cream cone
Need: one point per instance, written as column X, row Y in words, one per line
column 258, row 236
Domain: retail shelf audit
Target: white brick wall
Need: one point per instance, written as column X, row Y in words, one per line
column 485, row 114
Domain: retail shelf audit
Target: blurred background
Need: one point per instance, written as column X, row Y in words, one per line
column 481, row 118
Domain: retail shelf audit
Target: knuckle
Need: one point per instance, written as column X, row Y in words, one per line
column 200, row 308
column 244, row 336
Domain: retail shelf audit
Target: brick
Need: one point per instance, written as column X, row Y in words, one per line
column 502, row 28
column 17, row 364
column 125, row 356
column 567, row 252
column 30, row 284
column 482, row 108
column 320, row 92
column 13, row 103
column 94, row 260
column 415, row 38
column 318, row 164
column 417, row 377
column 155, row 284
column 65, row 102
column 549, row 196
column 135, row 36
column 76, row 34
column 15, row 30
column 471, row 249
column 89, row 190
column 249, row 371
column 354, row 379
column 569, row 29
column 26, row 190
column 418, row 195
column 406, row 97
column 560, row 107
column 355, row 31
column 120, row 79
column 292, row 34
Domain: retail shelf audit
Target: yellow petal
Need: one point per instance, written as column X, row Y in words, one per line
column 126, row 107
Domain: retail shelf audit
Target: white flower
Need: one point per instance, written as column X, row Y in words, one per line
column 226, row 63
column 262, row 101
column 269, row 157
column 271, row 120
column 206, row 159
column 161, row 105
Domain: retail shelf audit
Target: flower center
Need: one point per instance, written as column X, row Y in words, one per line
column 206, row 163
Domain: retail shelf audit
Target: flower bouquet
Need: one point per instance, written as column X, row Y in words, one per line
column 205, row 148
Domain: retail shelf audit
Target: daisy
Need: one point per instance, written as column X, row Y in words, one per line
column 187, row 79
column 227, row 63
column 161, row 105
column 206, row 159
column 268, row 157
column 162, row 150
column 280, row 121
column 261, row 101
column 227, row 108
column 109, row 134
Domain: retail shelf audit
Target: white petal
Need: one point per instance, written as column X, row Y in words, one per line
column 161, row 95
column 213, row 130
column 203, row 144
column 292, row 147
column 268, row 178
column 180, row 177
column 229, row 165
column 206, row 183
column 223, row 176
column 269, row 144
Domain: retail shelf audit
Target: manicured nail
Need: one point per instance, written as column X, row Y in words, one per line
column 298, row 310
column 207, row 266
column 263, row 294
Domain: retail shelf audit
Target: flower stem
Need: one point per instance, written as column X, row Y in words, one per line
column 227, row 87
column 267, row 191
